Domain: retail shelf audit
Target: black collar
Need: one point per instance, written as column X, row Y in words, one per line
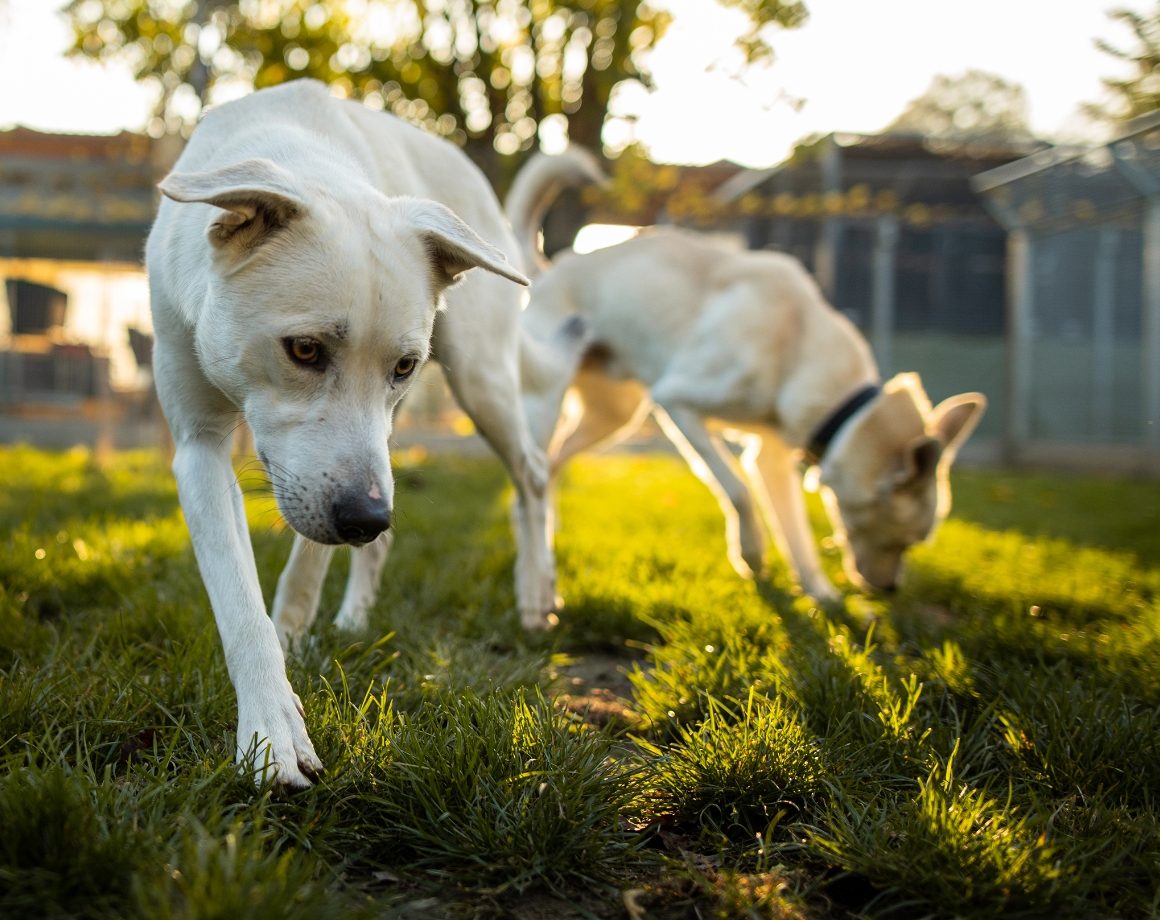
column 825, row 432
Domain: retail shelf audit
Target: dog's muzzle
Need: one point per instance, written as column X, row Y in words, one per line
column 358, row 518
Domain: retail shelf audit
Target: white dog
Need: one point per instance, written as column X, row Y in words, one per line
column 295, row 279
column 710, row 338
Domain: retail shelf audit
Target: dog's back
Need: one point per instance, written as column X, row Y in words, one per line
column 647, row 299
column 397, row 158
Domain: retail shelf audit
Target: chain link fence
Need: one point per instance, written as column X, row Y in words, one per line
column 1083, row 326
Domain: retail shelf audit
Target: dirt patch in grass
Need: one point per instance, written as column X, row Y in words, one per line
column 596, row 688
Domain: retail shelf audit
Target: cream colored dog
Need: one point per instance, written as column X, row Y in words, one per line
column 295, row 279
column 711, row 338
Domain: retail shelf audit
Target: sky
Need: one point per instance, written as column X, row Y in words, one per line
column 855, row 64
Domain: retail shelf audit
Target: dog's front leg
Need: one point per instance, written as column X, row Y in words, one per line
column 299, row 589
column 773, row 473
column 271, row 729
column 362, row 584
column 712, row 463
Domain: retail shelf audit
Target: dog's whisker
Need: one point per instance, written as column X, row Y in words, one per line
column 284, row 473
column 232, row 430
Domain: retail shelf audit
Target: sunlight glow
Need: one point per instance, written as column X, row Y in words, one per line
column 853, row 67
column 600, row 236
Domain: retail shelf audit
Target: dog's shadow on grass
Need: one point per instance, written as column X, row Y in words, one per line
column 805, row 617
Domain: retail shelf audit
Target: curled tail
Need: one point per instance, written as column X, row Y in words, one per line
column 536, row 186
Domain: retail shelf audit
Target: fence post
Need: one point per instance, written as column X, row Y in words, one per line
column 882, row 291
column 827, row 248
column 1021, row 264
column 1150, row 331
column 1103, row 330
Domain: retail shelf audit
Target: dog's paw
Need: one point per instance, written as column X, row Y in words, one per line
column 353, row 618
column 536, row 597
column 272, row 741
column 822, row 591
column 290, row 623
column 747, row 566
column 745, row 545
column 538, row 620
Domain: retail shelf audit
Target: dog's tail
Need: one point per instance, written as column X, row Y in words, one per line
column 536, row 186
column 548, row 363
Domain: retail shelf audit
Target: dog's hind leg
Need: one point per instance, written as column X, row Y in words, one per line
column 597, row 410
column 487, row 388
column 547, row 366
column 773, row 474
column 714, row 465
column 299, row 588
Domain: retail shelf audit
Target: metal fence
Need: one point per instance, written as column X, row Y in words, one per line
column 1083, row 332
column 930, row 299
column 900, row 243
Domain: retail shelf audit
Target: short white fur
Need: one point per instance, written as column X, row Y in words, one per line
column 295, row 216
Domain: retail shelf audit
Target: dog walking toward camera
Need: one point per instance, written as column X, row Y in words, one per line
column 716, row 341
column 299, row 267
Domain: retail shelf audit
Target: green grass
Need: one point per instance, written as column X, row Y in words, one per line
column 986, row 743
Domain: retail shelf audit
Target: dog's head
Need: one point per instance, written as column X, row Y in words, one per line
column 886, row 476
column 320, row 307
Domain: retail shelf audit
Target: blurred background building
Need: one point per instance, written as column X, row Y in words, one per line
column 74, row 306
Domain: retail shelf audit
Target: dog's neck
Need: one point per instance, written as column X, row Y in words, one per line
column 827, row 429
column 818, row 403
column 831, row 364
column 808, row 402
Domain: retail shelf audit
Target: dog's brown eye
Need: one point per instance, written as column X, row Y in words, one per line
column 405, row 368
column 305, row 351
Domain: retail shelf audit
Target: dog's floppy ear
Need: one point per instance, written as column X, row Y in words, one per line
column 256, row 196
column 953, row 420
column 453, row 247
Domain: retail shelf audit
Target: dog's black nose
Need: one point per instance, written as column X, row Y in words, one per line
column 358, row 518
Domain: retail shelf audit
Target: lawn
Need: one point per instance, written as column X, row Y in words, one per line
column 685, row 744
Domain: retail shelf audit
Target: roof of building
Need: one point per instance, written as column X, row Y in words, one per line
column 1058, row 156
column 77, row 196
column 972, row 153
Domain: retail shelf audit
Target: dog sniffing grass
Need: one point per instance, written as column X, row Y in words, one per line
column 985, row 744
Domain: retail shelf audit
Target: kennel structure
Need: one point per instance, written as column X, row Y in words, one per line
column 1083, row 303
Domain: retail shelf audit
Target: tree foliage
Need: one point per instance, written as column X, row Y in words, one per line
column 1139, row 92
column 486, row 73
column 974, row 105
